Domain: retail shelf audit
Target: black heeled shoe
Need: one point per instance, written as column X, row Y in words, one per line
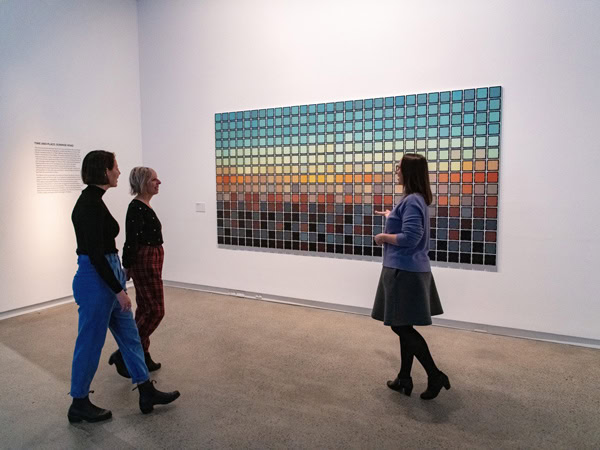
column 401, row 385
column 150, row 396
column 152, row 366
column 435, row 385
column 117, row 359
column 83, row 409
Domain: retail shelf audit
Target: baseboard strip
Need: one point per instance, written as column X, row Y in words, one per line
column 35, row 308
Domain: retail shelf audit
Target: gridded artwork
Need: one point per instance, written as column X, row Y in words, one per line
column 309, row 178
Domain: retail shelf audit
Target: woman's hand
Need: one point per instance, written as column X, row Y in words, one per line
column 124, row 301
column 386, row 238
column 385, row 213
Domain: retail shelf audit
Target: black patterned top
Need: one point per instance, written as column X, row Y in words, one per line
column 142, row 227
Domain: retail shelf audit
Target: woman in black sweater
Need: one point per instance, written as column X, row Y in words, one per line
column 143, row 257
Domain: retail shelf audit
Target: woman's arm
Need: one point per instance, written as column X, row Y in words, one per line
column 413, row 227
column 133, row 227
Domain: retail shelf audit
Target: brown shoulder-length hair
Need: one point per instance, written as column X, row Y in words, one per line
column 94, row 167
column 415, row 173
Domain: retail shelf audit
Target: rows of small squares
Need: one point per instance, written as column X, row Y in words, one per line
column 331, row 228
column 462, row 194
column 472, row 112
column 448, row 197
column 349, row 229
column 463, row 210
column 340, row 157
column 291, row 197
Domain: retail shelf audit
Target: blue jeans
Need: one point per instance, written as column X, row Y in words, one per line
column 99, row 311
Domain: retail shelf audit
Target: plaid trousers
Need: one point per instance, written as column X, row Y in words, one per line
column 146, row 274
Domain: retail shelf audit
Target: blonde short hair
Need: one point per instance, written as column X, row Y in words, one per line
column 138, row 179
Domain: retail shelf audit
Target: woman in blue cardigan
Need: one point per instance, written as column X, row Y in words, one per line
column 406, row 295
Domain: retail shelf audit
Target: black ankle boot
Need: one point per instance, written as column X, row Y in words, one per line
column 435, row 385
column 84, row 409
column 150, row 396
column 117, row 359
column 401, row 385
column 152, row 366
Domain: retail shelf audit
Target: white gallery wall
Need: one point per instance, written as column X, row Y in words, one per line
column 69, row 73
column 114, row 74
column 202, row 57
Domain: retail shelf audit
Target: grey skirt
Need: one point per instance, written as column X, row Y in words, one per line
column 406, row 298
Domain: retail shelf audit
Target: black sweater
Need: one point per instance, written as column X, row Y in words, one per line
column 96, row 230
column 142, row 227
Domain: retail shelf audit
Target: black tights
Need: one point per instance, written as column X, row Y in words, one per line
column 413, row 344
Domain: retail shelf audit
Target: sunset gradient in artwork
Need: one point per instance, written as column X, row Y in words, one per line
column 309, row 178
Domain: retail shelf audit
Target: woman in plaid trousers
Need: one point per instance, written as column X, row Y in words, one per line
column 143, row 257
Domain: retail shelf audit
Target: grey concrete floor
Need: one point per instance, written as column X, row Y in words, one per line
column 255, row 374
